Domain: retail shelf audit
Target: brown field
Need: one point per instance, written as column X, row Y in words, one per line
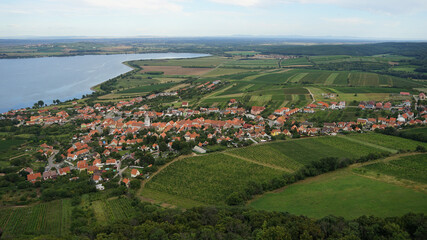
column 176, row 70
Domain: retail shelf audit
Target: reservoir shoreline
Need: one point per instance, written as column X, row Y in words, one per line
column 25, row 81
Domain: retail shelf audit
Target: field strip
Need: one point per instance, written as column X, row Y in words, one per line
column 369, row 144
column 229, row 96
column 390, row 179
column 215, row 93
column 284, row 103
column 258, row 163
column 330, row 80
column 297, row 77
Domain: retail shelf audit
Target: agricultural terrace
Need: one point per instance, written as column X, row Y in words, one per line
column 343, row 193
column 209, row 179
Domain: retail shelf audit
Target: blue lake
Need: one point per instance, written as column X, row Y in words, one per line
column 27, row 80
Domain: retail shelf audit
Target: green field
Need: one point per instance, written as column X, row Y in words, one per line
column 149, row 88
column 190, row 62
column 293, row 154
column 343, row 194
column 413, row 168
column 55, row 217
column 44, row 218
column 206, row 179
column 110, row 211
column 387, row 141
column 7, row 144
column 253, row 63
column 211, row 178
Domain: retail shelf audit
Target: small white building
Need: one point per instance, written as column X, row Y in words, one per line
column 199, row 149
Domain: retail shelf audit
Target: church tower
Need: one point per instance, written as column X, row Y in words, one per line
column 147, row 121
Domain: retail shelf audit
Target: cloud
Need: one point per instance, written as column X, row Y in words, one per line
column 348, row 21
column 143, row 5
column 378, row 6
column 242, row 3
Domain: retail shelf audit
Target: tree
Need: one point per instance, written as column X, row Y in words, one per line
column 40, row 103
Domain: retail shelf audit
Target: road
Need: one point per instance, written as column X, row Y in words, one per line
column 51, row 161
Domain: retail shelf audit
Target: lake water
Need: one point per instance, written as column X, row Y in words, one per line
column 28, row 80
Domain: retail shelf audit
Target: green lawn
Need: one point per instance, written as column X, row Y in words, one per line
column 343, row 194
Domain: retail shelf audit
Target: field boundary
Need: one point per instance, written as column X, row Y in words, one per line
column 258, row 163
column 369, row 144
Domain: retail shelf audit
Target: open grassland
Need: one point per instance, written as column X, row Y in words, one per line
column 44, row 218
column 342, row 193
column 387, row 141
column 176, row 70
column 207, row 179
column 413, row 168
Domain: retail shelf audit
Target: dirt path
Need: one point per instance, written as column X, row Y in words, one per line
column 258, row 163
column 18, row 156
column 312, row 96
column 369, row 144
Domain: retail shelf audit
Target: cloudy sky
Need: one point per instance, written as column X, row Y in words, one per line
column 380, row 19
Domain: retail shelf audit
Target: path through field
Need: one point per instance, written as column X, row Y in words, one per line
column 258, row 163
column 369, row 144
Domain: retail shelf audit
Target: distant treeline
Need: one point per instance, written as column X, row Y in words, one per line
column 405, row 49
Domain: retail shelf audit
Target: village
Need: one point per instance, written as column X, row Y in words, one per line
column 109, row 136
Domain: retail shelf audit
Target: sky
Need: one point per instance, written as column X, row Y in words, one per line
column 368, row 19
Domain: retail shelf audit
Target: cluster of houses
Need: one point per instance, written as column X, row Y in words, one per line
column 234, row 124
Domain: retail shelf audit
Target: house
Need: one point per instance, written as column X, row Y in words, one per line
column 29, row 170
column 404, row 93
column 34, row 177
column 257, row 110
column 49, row 175
column 422, row 96
column 184, row 104
column 64, row 171
column 135, row 173
column 126, row 181
column 96, row 178
column 82, row 165
column 111, row 161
